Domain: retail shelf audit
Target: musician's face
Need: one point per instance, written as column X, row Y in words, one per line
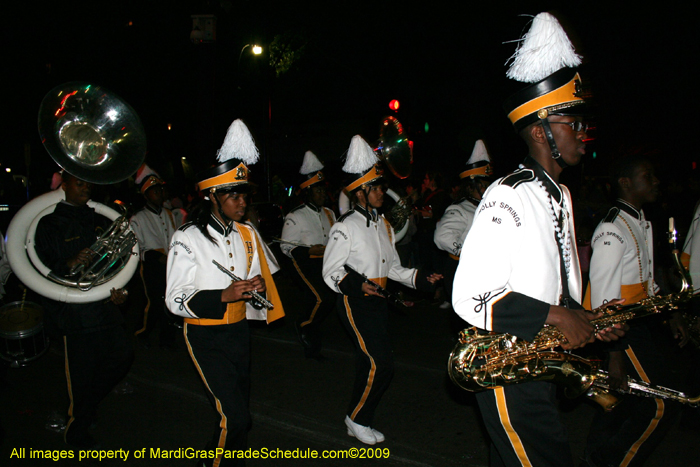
column 77, row 191
column 318, row 195
column 376, row 196
column 571, row 144
column 643, row 186
column 233, row 204
column 155, row 195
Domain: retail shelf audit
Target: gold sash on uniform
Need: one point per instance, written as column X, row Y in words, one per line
column 236, row 311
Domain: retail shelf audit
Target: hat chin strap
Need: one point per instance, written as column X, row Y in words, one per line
column 365, row 189
column 227, row 220
column 556, row 155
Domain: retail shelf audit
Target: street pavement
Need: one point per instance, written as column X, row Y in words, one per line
column 298, row 405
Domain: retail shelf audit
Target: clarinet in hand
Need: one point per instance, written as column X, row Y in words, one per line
column 256, row 296
column 392, row 297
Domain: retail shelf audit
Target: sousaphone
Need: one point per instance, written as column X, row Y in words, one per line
column 96, row 136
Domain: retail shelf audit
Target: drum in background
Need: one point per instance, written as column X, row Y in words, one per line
column 22, row 337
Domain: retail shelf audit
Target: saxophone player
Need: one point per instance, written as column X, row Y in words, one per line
column 519, row 265
column 622, row 266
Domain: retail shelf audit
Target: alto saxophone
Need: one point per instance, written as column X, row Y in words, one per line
column 485, row 360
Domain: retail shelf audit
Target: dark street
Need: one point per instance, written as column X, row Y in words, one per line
column 297, row 404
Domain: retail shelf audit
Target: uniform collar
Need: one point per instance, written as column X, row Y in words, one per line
column 219, row 227
column 154, row 209
column 312, row 206
column 370, row 215
column 472, row 200
column 550, row 185
column 629, row 209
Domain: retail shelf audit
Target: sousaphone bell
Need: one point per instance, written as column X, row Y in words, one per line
column 394, row 149
column 96, row 136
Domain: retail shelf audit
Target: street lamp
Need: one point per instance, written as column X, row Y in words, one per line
column 257, row 50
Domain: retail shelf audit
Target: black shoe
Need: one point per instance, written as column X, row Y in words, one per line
column 303, row 337
column 310, row 342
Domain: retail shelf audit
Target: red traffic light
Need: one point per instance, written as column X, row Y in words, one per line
column 394, row 105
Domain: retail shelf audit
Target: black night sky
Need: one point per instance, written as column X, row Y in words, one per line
column 444, row 62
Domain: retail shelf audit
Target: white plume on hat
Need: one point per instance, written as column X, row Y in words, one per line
column 544, row 49
column 360, row 157
column 311, row 164
column 143, row 172
column 238, row 144
column 479, row 153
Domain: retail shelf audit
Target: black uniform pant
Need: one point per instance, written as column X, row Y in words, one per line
column 317, row 302
column 525, row 426
column 628, row 434
column 153, row 273
column 95, row 363
column 221, row 354
column 366, row 320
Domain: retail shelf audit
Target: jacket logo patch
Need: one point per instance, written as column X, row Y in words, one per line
column 185, row 247
column 511, row 211
column 487, row 205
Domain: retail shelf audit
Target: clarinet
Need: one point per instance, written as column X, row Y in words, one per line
column 392, row 297
column 291, row 242
column 256, row 296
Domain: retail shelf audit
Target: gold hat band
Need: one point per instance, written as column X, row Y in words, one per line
column 152, row 180
column 483, row 171
column 315, row 179
column 563, row 95
column 235, row 176
column 373, row 173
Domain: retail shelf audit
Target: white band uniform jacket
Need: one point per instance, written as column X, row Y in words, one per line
column 191, row 271
column 614, row 271
column 153, row 229
column 306, row 224
column 509, row 271
column 367, row 249
column 453, row 226
column 691, row 251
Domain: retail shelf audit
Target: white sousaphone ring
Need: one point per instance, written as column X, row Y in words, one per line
column 96, row 136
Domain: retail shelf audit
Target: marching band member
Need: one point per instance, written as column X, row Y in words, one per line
column 453, row 226
column 215, row 307
column 97, row 351
column 691, row 251
column 522, row 269
column 363, row 240
column 622, row 266
column 154, row 226
column 310, row 224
